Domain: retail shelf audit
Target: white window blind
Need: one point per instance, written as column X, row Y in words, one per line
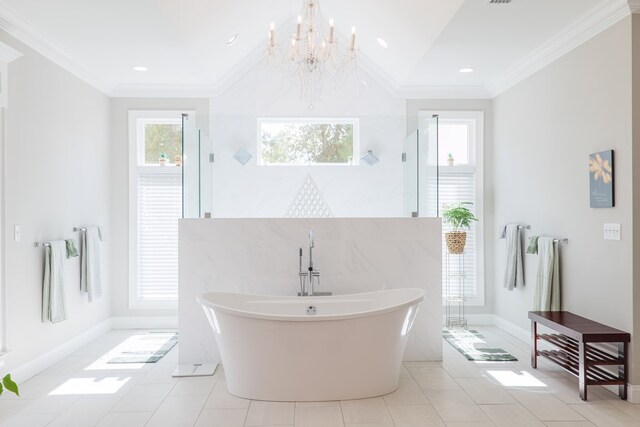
column 460, row 186
column 159, row 208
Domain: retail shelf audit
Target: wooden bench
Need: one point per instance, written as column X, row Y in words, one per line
column 576, row 352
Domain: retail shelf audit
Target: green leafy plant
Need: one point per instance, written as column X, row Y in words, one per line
column 8, row 384
column 450, row 156
column 459, row 216
column 164, row 156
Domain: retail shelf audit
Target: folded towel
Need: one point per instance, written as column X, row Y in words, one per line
column 513, row 272
column 54, row 295
column 546, row 296
column 90, row 273
column 72, row 251
column 533, row 245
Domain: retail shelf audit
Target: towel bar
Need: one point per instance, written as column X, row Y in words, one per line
column 43, row 244
column 561, row 241
column 520, row 227
column 79, row 229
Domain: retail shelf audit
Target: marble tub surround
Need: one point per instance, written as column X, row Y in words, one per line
column 353, row 255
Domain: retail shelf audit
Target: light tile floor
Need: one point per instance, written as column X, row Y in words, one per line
column 82, row 390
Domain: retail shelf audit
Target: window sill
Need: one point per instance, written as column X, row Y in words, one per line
column 153, row 305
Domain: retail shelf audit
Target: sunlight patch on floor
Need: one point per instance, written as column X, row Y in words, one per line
column 516, row 379
column 91, row 386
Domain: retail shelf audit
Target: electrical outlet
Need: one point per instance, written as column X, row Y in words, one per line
column 16, row 233
column 611, row 231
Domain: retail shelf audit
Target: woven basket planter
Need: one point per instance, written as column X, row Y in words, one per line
column 456, row 241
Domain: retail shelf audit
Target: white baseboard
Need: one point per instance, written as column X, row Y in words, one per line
column 24, row 372
column 521, row 333
column 480, row 319
column 39, row 364
column 140, row 322
column 633, row 393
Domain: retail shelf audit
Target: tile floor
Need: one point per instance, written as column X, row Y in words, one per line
column 82, row 390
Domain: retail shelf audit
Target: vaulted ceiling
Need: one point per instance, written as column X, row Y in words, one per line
column 184, row 44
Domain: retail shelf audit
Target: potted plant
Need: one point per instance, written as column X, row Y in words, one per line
column 178, row 160
column 459, row 217
column 163, row 159
column 450, row 159
column 7, row 384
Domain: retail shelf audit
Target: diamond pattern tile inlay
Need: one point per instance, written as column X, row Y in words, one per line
column 309, row 202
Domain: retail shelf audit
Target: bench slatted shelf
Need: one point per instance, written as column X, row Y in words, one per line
column 574, row 349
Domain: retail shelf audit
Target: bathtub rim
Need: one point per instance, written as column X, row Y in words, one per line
column 205, row 302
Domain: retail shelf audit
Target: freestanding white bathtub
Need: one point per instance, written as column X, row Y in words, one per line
column 312, row 349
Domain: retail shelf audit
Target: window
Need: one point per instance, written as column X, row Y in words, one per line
column 305, row 142
column 460, row 137
column 155, row 204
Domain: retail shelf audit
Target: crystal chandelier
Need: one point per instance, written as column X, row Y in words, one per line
column 312, row 54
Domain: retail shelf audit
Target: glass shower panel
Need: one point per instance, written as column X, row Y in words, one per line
column 206, row 175
column 411, row 170
column 420, row 157
column 428, row 194
column 190, row 168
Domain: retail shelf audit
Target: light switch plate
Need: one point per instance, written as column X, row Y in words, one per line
column 611, row 231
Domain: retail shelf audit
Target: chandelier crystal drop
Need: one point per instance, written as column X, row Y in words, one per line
column 312, row 55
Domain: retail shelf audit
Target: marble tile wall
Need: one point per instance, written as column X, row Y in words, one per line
column 353, row 255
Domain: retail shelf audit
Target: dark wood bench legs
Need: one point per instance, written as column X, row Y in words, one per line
column 534, row 344
column 623, row 370
column 582, row 377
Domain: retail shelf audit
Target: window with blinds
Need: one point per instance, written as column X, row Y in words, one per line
column 460, row 179
column 460, row 186
column 159, row 207
column 155, row 206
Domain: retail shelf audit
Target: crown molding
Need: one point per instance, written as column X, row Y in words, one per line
column 634, row 6
column 8, row 54
column 12, row 23
column 443, row 92
column 592, row 24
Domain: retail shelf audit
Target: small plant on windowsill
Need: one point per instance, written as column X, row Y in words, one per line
column 450, row 159
column 8, row 384
column 163, row 159
column 459, row 217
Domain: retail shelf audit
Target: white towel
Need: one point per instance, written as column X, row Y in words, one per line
column 513, row 271
column 90, row 274
column 54, row 293
column 546, row 296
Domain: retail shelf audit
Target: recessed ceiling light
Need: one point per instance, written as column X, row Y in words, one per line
column 140, row 68
column 467, row 70
column 232, row 40
column 382, row 42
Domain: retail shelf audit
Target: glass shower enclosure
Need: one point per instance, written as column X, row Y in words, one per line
column 197, row 168
column 420, row 158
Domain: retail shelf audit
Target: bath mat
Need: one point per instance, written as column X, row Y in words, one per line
column 474, row 346
column 144, row 348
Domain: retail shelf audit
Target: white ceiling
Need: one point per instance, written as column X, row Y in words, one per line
column 184, row 43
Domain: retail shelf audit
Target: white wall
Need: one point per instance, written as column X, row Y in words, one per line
column 635, row 40
column 353, row 255
column 57, row 177
column 261, row 191
column 544, row 130
column 119, row 163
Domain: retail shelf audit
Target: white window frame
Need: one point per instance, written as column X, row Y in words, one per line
column 476, row 163
column 136, row 152
column 355, row 158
